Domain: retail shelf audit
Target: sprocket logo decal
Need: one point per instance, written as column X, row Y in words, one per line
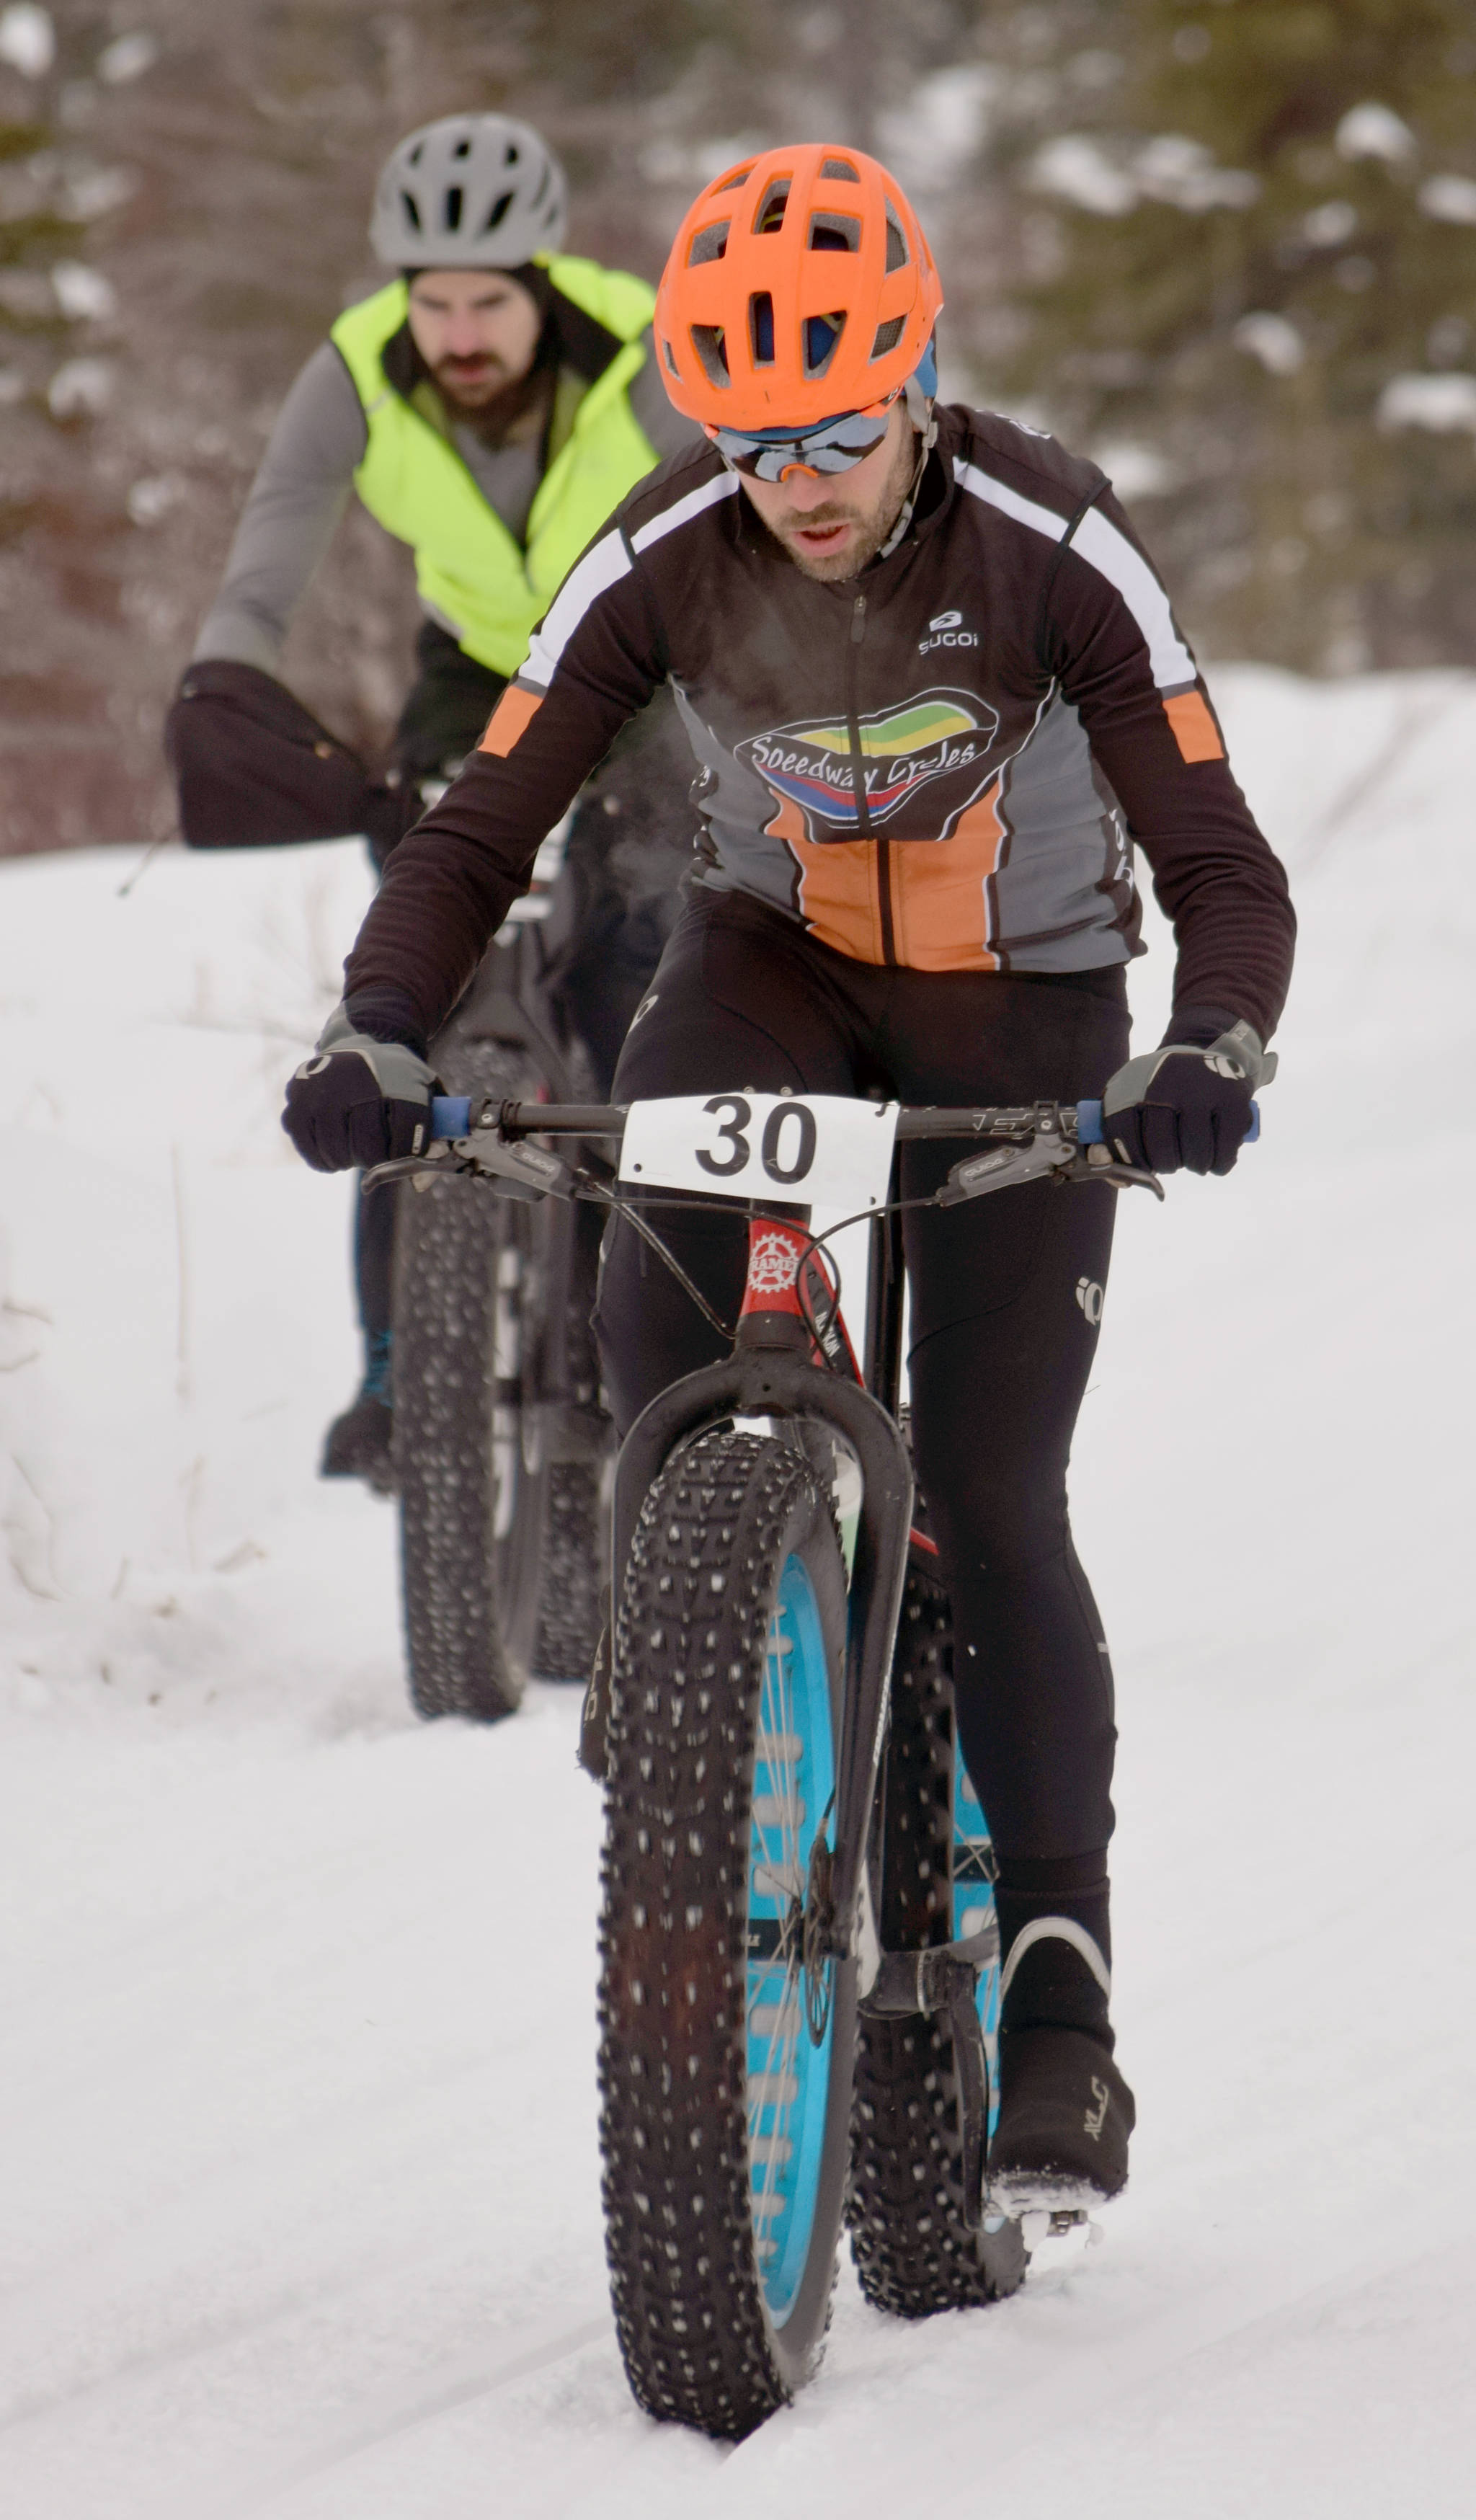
column 772, row 1264
column 904, row 748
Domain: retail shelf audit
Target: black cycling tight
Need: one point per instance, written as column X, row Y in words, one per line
column 1006, row 1300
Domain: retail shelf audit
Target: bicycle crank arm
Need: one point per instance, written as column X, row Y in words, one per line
column 945, row 1979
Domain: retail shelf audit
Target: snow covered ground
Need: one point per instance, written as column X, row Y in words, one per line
column 297, row 2109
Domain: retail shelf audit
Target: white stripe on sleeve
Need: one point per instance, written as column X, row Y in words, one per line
column 600, row 570
column 1025, row 512
column 1099, row 541
column 1111, row 554
column 696, row 503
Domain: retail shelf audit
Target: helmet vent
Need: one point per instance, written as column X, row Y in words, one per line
column 769, row 218
column 897, row 255
column 712, row 350
column 709, row 244
column 740, row 175
column 511, row 153
column 761, row 328
column 463, row 149
column 831, row 234
column 670, row 356
column 888, row 335
column 498, row 212
column 822, row 340
column 412, row 210
column 451, row 215
column 839, row 170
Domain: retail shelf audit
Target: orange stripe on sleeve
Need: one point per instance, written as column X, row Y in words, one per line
column 511, row 718
column 1194, row 730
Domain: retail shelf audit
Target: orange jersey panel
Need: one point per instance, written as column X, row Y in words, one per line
column 940, row 913
column 1194, row 730
column 940, row 916
column 513, row 714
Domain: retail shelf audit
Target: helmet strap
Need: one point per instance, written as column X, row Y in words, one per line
column 926, row 429
column 921, row 412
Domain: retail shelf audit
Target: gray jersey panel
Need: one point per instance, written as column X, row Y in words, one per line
column 1050, row 900
column 291, row 514
column 734, row 804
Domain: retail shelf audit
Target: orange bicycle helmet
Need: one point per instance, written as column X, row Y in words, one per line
column 800, row 285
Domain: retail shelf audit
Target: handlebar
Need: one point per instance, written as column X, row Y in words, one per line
column 451, row 1117
column 1089, row 1125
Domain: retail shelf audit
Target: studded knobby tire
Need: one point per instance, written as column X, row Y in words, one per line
column 501, row 1546
column 720, row 2320
column 913, row 2251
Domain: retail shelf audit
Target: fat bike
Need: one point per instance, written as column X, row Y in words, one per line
column 799, row 1953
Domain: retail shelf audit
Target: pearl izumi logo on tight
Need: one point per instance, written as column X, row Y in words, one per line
column 946, row 630
column 1088, row 1296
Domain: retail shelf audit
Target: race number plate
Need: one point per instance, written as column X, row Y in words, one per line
column 821, row 1150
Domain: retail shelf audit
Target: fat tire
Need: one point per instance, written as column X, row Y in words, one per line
column 481, row 1614
column 447, row 1247
column 913, row 2251
column 693, row 1631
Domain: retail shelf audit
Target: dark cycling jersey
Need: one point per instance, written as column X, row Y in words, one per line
column 942, row 764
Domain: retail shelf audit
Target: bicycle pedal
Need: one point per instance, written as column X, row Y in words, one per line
column 1042, row 2225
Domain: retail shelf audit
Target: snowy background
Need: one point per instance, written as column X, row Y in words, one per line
column 298, row 2114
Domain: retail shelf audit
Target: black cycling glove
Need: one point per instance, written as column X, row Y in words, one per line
column 358, row 1100
column 1187, row 1104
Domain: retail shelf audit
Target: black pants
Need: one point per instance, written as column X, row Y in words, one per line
column 1006, row 1298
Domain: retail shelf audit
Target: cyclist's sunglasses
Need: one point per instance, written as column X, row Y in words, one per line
column 832, row 446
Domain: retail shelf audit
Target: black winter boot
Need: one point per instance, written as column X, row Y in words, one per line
column 1065, row 2112
column 358, row 1445
column 1065, row 2116
column 594, row 1721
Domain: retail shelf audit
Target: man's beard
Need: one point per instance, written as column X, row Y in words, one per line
column 876, row 525
column 471, row 396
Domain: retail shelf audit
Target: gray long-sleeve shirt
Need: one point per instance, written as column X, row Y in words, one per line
column 303, row 482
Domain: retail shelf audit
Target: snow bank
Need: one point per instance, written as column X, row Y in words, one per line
column 297, row 2092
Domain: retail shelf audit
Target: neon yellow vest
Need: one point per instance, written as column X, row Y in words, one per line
column 470, row 570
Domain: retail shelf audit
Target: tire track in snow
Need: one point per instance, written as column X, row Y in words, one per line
column 381, row 2424
column 907, row 2459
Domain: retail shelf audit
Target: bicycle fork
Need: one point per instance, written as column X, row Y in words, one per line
column 771, row 1375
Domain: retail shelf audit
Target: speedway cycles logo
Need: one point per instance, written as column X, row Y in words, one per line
column 904, row 750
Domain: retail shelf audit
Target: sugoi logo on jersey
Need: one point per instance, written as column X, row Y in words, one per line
column 946, row 630
column 904, row 748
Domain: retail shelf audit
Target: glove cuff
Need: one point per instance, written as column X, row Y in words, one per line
column 387, row 1014
column 400, row 1073
column 1196, row 1027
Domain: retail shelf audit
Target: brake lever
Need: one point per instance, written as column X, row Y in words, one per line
column 1086, row 1167
column 514, row 1166
column 1048, row 1156
column 1049, row 1150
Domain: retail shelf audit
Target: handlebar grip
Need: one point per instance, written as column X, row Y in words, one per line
column 450, row 1115
column 1089, row 1125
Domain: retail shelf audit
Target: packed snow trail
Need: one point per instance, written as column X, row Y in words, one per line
column 297, row 2098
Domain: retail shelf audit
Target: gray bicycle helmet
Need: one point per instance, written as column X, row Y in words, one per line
column 476, row 192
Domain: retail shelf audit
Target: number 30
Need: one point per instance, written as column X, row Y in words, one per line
column 737, row 1115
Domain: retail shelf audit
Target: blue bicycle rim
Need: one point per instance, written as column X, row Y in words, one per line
column 973, row 1908
column 789, row 2072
